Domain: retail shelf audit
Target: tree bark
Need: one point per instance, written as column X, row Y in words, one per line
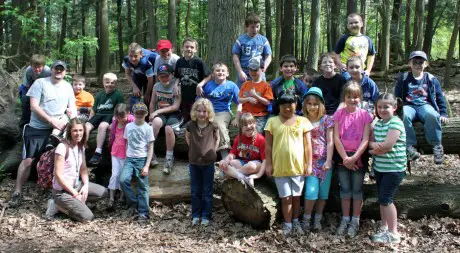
column 450, row 52
column 335, row 21
column 302, row 36
column 287, row 33
column 276, row 57
column 98, row 36
column 2, row 40
column 225, row 23
column 129, row 16
column 172, row 21
column 16, row 41
column 139, row 20
column 62, row 36
column 429, row 31
column 418, row 25
column 187, row 18
column 352, row 6
column 104, row 39
column 255, row 6
column 268, row 28
column 151, row 24
column 315, row 29
column 385, row 36
column 83, row 34
column 120, row 35
column 178, row 43
column 395, row 39
column 364, row 15
column 407, row 33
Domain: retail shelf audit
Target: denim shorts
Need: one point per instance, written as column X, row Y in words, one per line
column 244, row 162
column 387, row 185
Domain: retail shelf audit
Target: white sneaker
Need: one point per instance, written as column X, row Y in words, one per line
column 51, row 209
column 353, row 229
column 195, row 221
column 297, row 228
column 438, row 154
column 169, row 163
column 317, row 225
column 342, row 227
column 286, row 229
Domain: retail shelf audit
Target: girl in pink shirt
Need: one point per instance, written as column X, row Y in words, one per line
column 117, row 146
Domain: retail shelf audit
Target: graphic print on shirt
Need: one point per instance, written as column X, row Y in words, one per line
column 246, row 150
column 418, row 92
column 108, row 105
column 136, row 139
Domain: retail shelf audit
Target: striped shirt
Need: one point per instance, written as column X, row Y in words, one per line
column 395, row 159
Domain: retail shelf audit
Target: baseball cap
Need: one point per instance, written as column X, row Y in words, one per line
column 420, row 54
column 140, row 107
column 165, row 69
column 164, row 44
column 254, row 63
column 315, row 91
column 58, row 63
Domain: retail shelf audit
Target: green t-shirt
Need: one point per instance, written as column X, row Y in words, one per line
column 104, row 104
column 288, row 85
column 395, row 159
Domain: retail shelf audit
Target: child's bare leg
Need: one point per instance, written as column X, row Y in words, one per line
column 157, row 123
column 231, row 171
column 101, row 131
column 346, row 203
column 309, row 204
column 295, row 207
column 357, row 206
column 286, row 206
column 391, row 216
column 383, row 219
column 251, row 167
column 89, row 128
column 320, row 204
column 170, row 139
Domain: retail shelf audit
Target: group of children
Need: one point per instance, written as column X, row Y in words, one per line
column 335, row 132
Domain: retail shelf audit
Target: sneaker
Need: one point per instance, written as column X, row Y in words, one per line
column 15, row 200
column 96, row 159
column 204, row 222
column 180, row 132
column 196, row 221
column 111, row 204
column 317, row 225
column 142, row 219
column 353, row 228
column 50, row 210
column 438, row 154
column 412, row 153
column 386, row 237
column 342, row 227
column 306, row 223
column 54, row 140
column 168, row 166
column 247, row 181
column 379, row 234
column 154, row 161
column 297, row 228
column 286, row 230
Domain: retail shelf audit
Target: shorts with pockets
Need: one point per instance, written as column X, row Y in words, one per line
column 99, row 118
column 35, row 141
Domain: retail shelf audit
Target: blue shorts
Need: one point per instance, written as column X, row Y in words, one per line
column 244, row 162
column 387, row 185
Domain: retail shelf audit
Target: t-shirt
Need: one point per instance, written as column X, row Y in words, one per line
column 139, row 137
column 287, row 148
column 105, row 103
column 263, row 89
column 160, row 61
column 395, row 159
column 247, row 47
column 72, row 166
column 319, row 145
column 417, row 92
column 221, row 95
column 354, row 45
column 370, row 92
column 249, row 148
column 143, row 68
column 351, row 127
column 202, row 148
column 30, row 76
column 84, row 99
column 164, row 95
column 119, row 143
column 288, row 84
column 190, row 73
column 52, row 98
column 332, row 90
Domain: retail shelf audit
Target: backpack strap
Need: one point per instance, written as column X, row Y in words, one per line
column 66, row 149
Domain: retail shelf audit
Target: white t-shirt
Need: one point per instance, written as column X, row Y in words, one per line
column 52, row 98
column 138, row 139
column 72, row 165
column 160, row 61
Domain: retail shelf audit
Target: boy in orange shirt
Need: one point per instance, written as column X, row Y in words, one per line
column 256, row 94
column 83, row 99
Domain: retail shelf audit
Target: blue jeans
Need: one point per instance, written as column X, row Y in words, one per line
column 260, row 123
column 315, row 189
column 133, row 167
column 201, row 185
column 351, row 183
column 387, row 185
column 431, row 123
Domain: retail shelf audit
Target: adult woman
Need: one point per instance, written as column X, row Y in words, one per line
column 71, row 186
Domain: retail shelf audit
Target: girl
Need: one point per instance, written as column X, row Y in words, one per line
column 322, row 138
column 71, row 186
column 202, row 136
column 351, row 136
column 330, row 83
column 222, row 92
column 246, row 160
column 117, row 146
column 390, row 163
column 289, row 158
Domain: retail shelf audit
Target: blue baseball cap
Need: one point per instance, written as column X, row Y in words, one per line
column 315, row 91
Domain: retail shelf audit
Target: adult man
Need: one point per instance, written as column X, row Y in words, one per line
column 50, row 98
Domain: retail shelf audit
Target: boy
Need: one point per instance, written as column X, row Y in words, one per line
column 165, row 55
column 165, row 113
column 256, row 95
column 288, row 67
column 139, row 72
column 250, row 45
column 139, row 152
column 309, row 75
column 355, row 44
column 83, row 99
column 36, row 69
column 191, row 74
column 423, row 100
column 102, row 112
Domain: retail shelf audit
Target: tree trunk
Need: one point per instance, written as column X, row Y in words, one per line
column 429, row 31
column 187, row 18
column 178, row 42
column 296, row 28
column 16, row 29
column 385, row 49
column 255, row 6
column 225, row 23
column 315, row 29
column 63, row 30
column 2, row 40
column 98, row 36
column 302, row 36
column 120, row 35
column 407, row 41
column 335, row 22
column 155, row 25
column 276, row 57
column 172, row 21
column 83, row 34
column 104, row 39
column 287, row 33
column 418, row 25
column 450, row 52
column 129, row 17
column 139, row 20
column 151, row 24
column 352, row 6
column 364, row 15
column 395, row 39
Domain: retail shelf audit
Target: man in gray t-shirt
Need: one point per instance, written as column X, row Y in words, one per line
column 49, row 98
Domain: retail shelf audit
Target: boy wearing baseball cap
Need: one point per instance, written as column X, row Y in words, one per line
column 139, row 152
column 165, row 55
column 424, row 101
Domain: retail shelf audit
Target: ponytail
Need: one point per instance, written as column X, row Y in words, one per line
column 399, row 108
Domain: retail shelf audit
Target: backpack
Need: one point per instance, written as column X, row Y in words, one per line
column 45, row 167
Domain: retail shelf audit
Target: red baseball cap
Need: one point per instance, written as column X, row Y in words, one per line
column 164, row 44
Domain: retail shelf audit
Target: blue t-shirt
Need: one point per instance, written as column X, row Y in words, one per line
column 144, row 67
column 221, row 95
column 417, row 92
column 246, row 48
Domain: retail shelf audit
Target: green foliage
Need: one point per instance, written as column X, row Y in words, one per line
column 74, row 47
